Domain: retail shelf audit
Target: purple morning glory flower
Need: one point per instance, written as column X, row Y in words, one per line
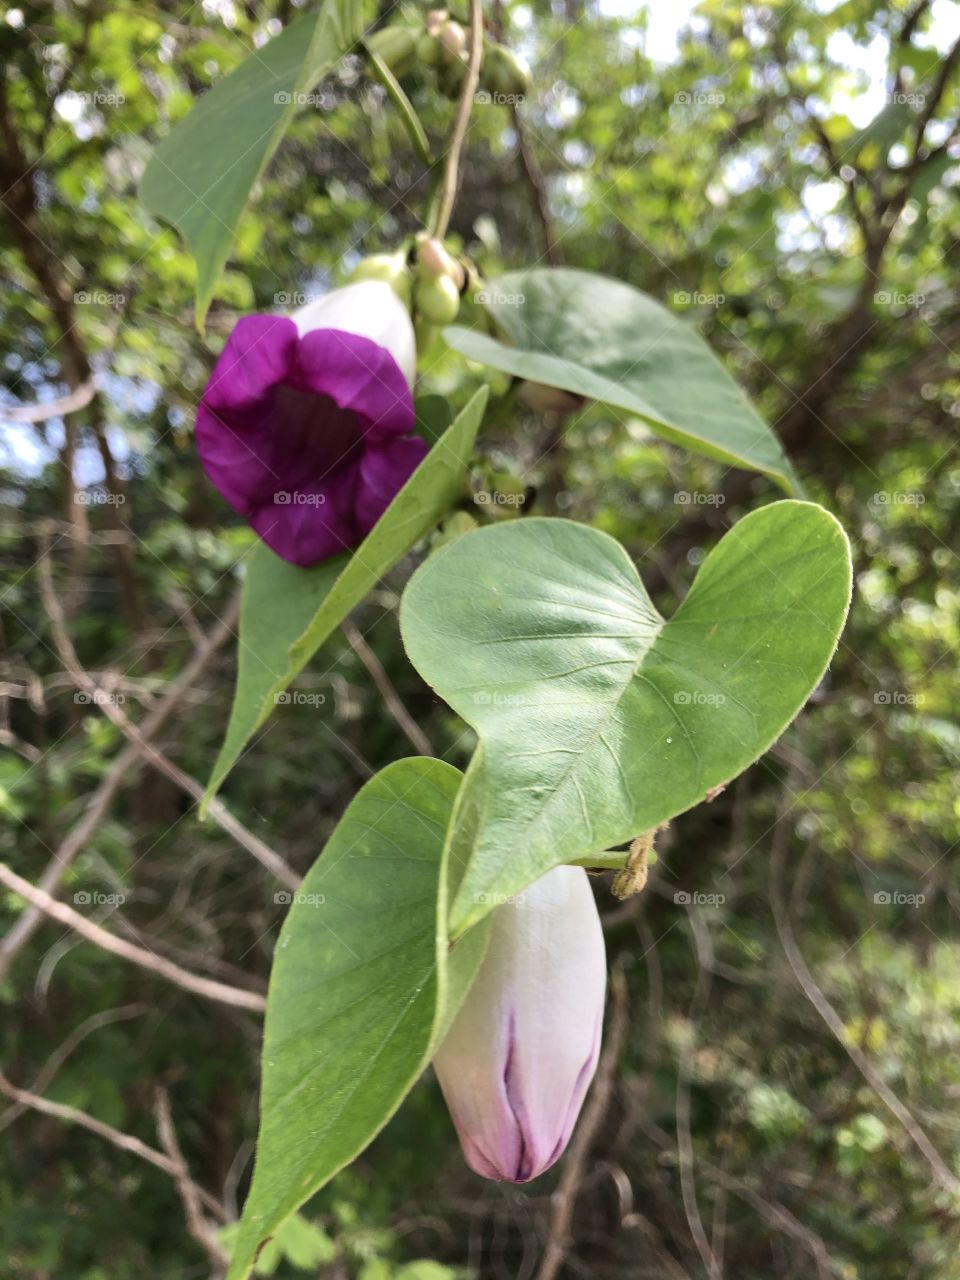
column 518, row 1059
column 304, row 426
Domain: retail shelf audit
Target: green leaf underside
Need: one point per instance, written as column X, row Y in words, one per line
column 353, row 1012
column 598, row 719
column 607, row 341
column 287, row 612
column 200, row 177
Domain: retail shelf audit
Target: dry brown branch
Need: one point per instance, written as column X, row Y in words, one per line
column 124, row 1141
column 268, row 857
column 65, row 915
column 76, row 400
column 565, row 1197
column 99, row 804
column 190, row 1194
column 405, row 721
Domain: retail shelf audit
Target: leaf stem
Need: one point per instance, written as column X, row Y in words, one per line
column 451, row 171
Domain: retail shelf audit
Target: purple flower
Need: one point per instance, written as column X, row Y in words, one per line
column 518, row 1059
column 305, row 424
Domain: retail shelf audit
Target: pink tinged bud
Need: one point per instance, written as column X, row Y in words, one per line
column 518, row 1059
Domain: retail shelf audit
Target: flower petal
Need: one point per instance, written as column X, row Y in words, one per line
column 369, row 309
column 384, row 470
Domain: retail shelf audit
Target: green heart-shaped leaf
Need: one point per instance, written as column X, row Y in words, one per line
column 363, row 983
column 599, row 720
column 288, row 612
column 607, row 341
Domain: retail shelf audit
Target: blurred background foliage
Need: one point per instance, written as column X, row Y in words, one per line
column 785, row 176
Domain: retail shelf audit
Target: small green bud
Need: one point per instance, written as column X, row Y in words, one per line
column 428, row 50
column 437, row 299
column 391, row 268
column 503, row 72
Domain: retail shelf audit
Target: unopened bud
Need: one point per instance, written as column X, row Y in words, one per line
column 437, row 299
column 453, row 38
column 434, row 260
column 435, row 19
column 518, row 1059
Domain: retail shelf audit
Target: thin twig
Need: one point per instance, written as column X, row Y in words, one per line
column 565, row 1197
column 189, row 1192
column 125, row 1141
column 268, row 857
column 451, row 171
column 164, row 968
column 99, row 804
column 391, row 698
